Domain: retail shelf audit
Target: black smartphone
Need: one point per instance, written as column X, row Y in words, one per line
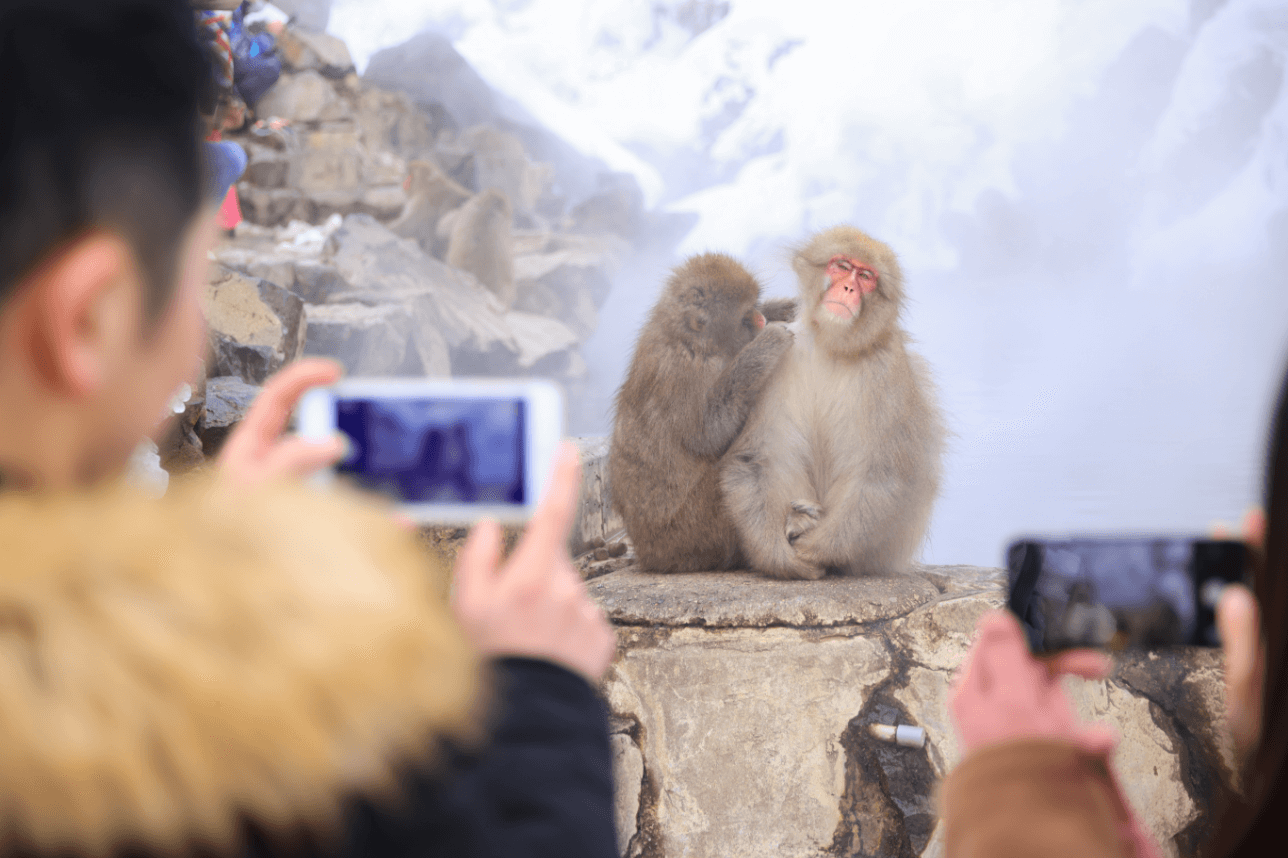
column 1121, row 592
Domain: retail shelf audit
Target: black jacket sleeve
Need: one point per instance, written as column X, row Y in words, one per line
column 542, row 787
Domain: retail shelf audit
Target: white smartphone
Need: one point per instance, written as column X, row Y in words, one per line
column 449, row 451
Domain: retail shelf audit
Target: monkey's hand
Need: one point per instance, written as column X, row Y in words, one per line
column 779, row 310
column 733, row 394
column 802, row 517
column 760, row 357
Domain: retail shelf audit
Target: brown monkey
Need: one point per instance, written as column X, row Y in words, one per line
column 839, row 463
column 431, row 193
column 701, row 361
column 481, row 243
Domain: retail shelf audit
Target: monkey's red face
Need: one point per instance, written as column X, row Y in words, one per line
column 849, row 280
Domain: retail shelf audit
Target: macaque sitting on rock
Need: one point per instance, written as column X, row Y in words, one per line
column 481, row 243
column 702, row 360
column 431, row 193
column 839, row 463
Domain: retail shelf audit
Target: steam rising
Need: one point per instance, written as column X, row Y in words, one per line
column 1090, row 199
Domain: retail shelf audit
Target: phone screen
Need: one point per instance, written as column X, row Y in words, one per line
column 436, row 450
column 1121, row 593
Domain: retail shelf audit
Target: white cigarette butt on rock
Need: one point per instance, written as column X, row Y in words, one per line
column 904, row 734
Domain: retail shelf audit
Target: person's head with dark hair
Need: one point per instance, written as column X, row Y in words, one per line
column 1258, row 684
column 105, row 224
column 99, row 128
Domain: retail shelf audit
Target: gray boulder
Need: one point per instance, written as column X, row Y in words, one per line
column 316, row 282
column 500, row 162
column 569, row 285
column 368, row 339
column 227, row 401
column 310, row 14
column 272, row 206
column 255, row 326
column 302, row 97
column 430, row 70
column 309, row 50
column 616, row 207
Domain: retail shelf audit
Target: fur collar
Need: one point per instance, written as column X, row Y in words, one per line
column 168, row 665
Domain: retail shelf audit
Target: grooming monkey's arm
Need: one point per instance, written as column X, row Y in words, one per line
column 779, row 310
column 735, row 392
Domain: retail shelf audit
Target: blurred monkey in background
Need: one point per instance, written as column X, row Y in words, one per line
column 480, row 242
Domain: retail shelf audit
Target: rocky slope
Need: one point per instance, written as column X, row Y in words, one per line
column 406, row 234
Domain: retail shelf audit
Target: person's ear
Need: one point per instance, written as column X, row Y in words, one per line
column 85, row 302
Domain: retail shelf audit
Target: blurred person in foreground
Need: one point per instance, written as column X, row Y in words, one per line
column 246, row 667
column 1033, row 781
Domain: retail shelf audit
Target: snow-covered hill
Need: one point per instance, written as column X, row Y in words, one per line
column 1090, row 197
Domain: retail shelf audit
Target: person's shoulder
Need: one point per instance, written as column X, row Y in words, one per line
column 218, row 645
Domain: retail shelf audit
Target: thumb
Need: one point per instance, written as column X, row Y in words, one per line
column 1098, row 739
column 477, row 562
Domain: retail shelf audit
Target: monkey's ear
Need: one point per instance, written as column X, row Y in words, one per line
column 696, row 320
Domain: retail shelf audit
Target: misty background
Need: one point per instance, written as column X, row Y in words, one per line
column 1089, row 197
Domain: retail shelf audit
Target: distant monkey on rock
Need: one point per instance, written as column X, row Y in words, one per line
column 431, row 193
column 481, row 243
column 839, row 463
column 702, row 359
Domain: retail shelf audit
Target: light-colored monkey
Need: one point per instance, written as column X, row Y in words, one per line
column 431, row 193
column 703, row 357
column 481, row 243
column 839, row 463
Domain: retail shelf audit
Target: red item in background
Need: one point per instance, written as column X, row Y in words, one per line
column 230, row 212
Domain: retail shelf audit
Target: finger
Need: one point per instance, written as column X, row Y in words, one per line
column 1086, row 663
column 1096, row 739
column 477, row 561
column 1236, row 620
column 1254, row 527
column 298, row 458
column 272, row 408
column 547, row 533
column 1002, row 650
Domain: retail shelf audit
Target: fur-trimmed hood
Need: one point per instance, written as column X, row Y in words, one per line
column 168, row 666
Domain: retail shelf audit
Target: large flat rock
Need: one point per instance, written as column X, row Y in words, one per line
column 745, row 600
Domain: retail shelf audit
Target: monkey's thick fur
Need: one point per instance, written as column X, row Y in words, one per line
column 481, row 242
column 431, row 194
column 839, row 463
column 698, row 368
column 168, row 666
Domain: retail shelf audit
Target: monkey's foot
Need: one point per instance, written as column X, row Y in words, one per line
column 813, row 551
column 802, row 518
column 793, row 569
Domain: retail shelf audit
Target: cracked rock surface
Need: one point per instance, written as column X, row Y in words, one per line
column 740, row 710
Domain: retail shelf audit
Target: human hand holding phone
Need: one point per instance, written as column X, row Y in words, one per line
column 1002, row 692
column 258, row 450
column 535, row 605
